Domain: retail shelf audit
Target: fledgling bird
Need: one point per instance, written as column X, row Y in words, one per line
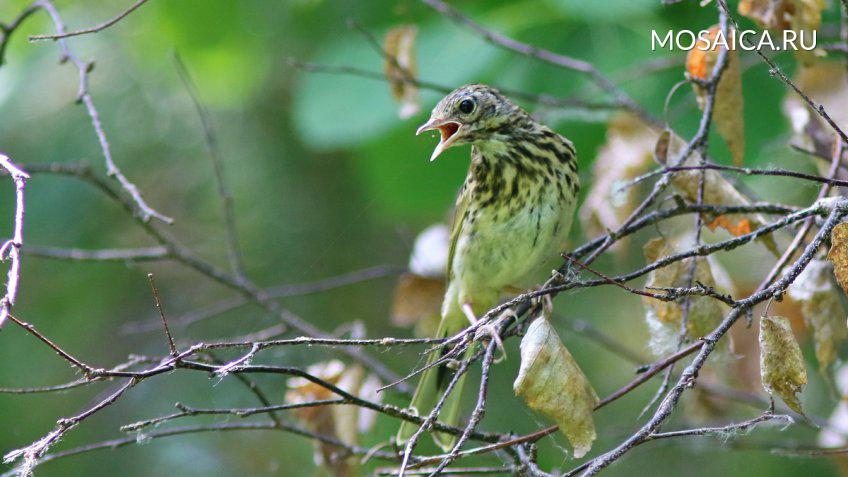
column 512, row 216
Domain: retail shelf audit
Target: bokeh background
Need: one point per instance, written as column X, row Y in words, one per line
column 327, row 179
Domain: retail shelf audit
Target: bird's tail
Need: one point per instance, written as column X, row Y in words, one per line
column 433, row 384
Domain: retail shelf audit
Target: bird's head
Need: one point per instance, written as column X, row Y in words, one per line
column 473, row 113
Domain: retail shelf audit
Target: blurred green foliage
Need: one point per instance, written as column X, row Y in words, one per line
column 326, row 179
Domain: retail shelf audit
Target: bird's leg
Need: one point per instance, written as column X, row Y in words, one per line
column 484, row 329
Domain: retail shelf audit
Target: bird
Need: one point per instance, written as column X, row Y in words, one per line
column 512, row 216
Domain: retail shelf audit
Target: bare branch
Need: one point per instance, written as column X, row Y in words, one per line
column 233, row 251
column 12, row 248
column 142, row 254
column 95, row 29
column 548, row 56
column 171, row 346
column 84, row 96
column 7, row 29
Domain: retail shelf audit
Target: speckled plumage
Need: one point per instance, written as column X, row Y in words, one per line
column 512, row 216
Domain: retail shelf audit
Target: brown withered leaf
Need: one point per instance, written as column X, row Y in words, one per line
column 717, row 189
column 838, row 254
column 552, row 383
column 826, row 83
column 781, row 15
column 344, row 422
column 664, row 317
column 627, row 152
column 781, row 363
column 417, row 302
column 400, row 67
column 728, row 106
column 822, row 310
column 418, row 294
column 742, row 227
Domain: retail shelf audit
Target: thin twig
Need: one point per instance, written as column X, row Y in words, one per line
column 7, row 29
column 233, row 249
column 12, row 248
column 84, row 68
column 95, row 29
column 171, row 346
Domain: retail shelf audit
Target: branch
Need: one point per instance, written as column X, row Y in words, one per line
column 687, row 379
column 84, row 96
column 12, row 248
column 563, row 61
column 187, row 257
column 7, row 29
column 31, row 454
column 141, row 254
column 279, row 291
column 233, row 252
column 95, row 29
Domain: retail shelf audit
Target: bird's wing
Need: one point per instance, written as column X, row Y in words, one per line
column 459, row 211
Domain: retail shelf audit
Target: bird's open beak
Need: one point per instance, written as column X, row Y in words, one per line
column 449, row 131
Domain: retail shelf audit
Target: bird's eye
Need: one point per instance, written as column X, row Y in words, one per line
column 466, row 106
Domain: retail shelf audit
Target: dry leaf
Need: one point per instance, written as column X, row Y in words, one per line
column 838, row 254
column 717, row 190
column 551, row 382
column 742, row 227
column 780, row 15
column 418, row 295
column 400, row 68
column 781, row 363
column 664, row 317
column 727, row 109
column 417, row 302
column 627, row 152
column 825, row 83
column 344, row 422
column 822, row 310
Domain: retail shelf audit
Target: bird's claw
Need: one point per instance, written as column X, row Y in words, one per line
column 490, row 331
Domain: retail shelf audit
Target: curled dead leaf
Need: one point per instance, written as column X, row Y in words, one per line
column 626, row 153
column 781, row 15
column 717, row 189
column 552, row 383
column 728, row 106
column 418, row 294
column 344, row 422
column 838, row 254
column 400, row 68
column 822, row 310
column 781, row 363
column 826, row 83
column 665, row 317
column 417, row 302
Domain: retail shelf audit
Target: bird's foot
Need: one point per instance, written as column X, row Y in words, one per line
column 490, row 331
column 485, row 330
